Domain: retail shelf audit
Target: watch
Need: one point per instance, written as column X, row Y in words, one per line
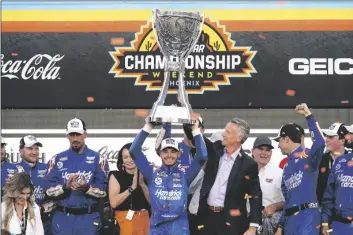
column 130, row 190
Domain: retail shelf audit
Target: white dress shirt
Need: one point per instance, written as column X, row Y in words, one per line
column 270, row 182
column 218, row 190
column 34, row 226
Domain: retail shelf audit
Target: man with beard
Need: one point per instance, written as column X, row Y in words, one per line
column 169, row 184
column 335, row 140
column 29, row 151
column 7, row 169
column 301, row 209
column 78, row 180
column 349, row 137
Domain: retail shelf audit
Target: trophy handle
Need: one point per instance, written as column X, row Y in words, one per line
column 162, row 94
column 183, row 97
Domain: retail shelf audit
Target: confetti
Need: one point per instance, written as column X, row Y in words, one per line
column 344, row 102
column 262, row 36
column 350, row 163
column 349, row 218
column 235, row 212
column 249, row 104
column 330, row 230
column 247, row 177
column 90, row 99
column 14, row 54
column 306, row 166
column 227, row 223
column 296, row 213
column 290, row 92
column 323, row 169
column 200, row 227
column 247, row 196
column 318, row 227
column 141, row 112
column 117, row 41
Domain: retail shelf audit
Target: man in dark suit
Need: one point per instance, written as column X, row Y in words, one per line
column 230, row 178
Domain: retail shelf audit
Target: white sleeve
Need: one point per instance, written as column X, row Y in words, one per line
column 39, row 224
column 278, row 185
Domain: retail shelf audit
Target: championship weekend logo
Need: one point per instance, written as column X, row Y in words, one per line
column 214, row 61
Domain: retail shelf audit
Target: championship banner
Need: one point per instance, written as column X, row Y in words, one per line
column 105, row 55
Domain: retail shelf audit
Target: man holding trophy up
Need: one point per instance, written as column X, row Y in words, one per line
column 176, row 33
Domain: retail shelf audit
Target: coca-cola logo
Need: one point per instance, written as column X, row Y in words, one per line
column 40, row 66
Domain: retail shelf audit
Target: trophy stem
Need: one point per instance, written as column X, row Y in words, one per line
column 182, row 95
column 162, row 94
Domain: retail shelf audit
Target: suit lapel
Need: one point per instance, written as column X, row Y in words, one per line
column 235, row 169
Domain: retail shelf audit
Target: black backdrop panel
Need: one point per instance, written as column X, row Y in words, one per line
column 80, row 65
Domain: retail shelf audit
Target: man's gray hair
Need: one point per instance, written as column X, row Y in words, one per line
column 243, row 127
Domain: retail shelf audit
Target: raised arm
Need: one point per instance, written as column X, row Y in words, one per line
column 136, row 151
column 317, row 149
column 200, row 156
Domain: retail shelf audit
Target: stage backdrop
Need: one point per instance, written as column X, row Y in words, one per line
column 105, row 55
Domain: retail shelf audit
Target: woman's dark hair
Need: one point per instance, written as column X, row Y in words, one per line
column 119, row 163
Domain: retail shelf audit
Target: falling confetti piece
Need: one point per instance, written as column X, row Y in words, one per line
column 117, row 41
column 141, row 112
column 290, row 92
column 318, row 227
column 349, row 218
column 350, row 163
column 14, row 54
column 249, row 104
column 90, row 99
column 323, row 169
column 344, row 102
column 262, row 36
column 227, row 223
column 235, row 212
column 306, row 166
column 200, row 227
column 329, row 231
column 247, row 177
column 296, row 213
column 247, row 196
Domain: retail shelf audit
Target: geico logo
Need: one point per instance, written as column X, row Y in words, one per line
column 321, row 66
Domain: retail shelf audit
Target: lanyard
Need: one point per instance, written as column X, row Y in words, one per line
column 23, row 223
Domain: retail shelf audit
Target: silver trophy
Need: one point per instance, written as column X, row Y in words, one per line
column 176, row 33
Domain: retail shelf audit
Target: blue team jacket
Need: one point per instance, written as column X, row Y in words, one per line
column 168, row 186
column 37, row 174
column 7, row 170
column 88, row 164
column 299, row 178
column 338, row 197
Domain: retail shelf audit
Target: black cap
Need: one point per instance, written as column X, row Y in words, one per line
column 292, row 130
column 263, row 141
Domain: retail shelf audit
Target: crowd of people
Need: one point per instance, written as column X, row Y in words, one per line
column 203, row 187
